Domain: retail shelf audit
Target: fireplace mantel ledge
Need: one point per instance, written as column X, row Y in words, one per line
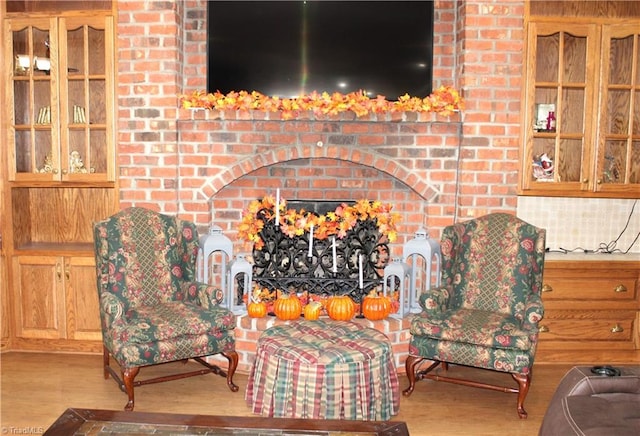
column 258, row 115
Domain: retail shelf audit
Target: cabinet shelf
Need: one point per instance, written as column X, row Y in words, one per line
column 552, row 85
column 55, row 249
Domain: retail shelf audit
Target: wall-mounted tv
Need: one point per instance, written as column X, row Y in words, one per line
column 291, row 48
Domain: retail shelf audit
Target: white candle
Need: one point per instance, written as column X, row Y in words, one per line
column 360, row 277
column 333, row 252
column 277, row 207
column 310, row 242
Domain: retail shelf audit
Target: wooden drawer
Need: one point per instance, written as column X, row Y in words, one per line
column 592, row 310
column 612, row 329
column 595, row 288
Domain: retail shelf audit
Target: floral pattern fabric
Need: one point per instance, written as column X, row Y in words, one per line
column 152, row 308
column 486, row 313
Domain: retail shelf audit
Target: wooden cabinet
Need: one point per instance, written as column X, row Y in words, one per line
column 57, row 298
column 58, row 177
column 61, row 96
column 5, row 307
column 580, row 109
column 40, row 305
column 53, row 278
column 592, row 311
column 81, row 299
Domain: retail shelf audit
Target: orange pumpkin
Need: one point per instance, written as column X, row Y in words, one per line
column 376, row 307
column 287, row 307
column 341, row 308
column 312, row 310
column 257, row 309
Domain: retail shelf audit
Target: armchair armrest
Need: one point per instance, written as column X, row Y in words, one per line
column 112, row 307
column 202, row 294
column 533, row 312
column 434, row 301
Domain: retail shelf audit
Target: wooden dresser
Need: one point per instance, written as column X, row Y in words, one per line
column 592, row 309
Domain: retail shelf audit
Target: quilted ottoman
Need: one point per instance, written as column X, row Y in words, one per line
column 323, row 370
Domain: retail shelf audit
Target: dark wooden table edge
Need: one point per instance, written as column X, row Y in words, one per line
column 73, row 418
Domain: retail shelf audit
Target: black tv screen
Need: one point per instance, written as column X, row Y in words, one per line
column 291, row 48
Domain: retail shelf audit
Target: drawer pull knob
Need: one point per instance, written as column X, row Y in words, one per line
column 620, row 288
column 547, row 288
column 617, row 329
column 544, row 329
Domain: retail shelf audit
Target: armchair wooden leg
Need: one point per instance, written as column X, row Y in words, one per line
column 105, row 362
column 410, row 367
column 232, row 357
column 524, row 381
column 127, row 376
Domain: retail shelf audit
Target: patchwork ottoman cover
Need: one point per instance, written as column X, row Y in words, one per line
column 324, row 370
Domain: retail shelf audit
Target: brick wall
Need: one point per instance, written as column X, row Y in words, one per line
column 412, row 165
column 205, row 167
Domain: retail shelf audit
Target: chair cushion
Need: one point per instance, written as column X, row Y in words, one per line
column 171, row 320
column 476, row 327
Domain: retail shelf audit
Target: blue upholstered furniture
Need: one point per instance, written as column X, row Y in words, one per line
column 152, row 309
column 486, row 312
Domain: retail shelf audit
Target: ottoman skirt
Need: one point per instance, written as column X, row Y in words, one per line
column 324, row 370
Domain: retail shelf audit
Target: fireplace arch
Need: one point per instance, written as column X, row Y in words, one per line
column 358, row 155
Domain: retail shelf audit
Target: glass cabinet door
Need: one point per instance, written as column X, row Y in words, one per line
column 61, row 94
column 618, row 167
column 33, row 133
column 559, row 137
column 86, row 81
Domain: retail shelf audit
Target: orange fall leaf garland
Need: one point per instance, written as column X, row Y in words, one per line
column 444, row 100
column 295, row 223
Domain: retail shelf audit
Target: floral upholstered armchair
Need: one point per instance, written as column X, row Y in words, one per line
column 152, row 309
column 486, row 313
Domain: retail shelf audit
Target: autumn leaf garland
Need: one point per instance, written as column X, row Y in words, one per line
column 295, row 223
column 445, row 100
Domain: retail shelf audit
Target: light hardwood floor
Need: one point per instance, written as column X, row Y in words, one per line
column 37, row 388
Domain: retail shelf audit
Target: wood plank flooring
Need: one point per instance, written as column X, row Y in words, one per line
column 38, row 387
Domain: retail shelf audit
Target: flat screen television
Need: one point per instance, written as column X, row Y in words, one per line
column 291, row 48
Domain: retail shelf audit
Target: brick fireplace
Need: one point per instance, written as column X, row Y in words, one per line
column 207, row 166
column 409, row 163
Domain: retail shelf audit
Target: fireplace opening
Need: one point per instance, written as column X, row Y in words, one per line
column 314, row 263
column 319, row 207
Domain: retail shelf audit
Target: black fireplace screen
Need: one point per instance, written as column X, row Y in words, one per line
column 287, row 264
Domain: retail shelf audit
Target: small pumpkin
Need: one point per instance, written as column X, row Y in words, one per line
column 376, row 307
column 287, row 307
column 257, row 309
column 312, row 310
column 341, row 308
